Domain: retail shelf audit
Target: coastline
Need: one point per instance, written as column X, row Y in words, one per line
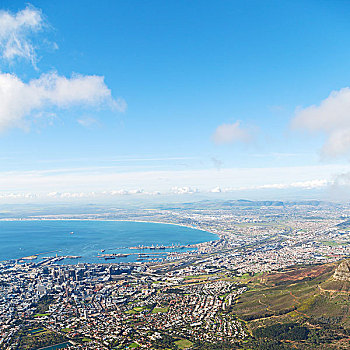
column 110, row 220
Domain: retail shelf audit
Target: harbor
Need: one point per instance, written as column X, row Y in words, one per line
column 96, row 241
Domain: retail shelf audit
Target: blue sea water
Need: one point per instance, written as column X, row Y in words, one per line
column 48, row 238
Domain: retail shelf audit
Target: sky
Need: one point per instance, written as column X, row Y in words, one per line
column 106, row 99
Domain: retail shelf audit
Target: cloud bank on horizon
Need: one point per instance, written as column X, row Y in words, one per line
column 85, row 183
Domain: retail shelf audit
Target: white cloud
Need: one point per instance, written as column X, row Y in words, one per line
column 310, row 184
column 19, row 100
column 307, row 185
column 88, row 122
column 115, row 182
column 123, row 192
column 68, row 195
column 72, row 195
column 229, row 133
column 16, row 31
column 120, row 105
column 332, row 117
column 317, row 183
column 77, row 195
column 54, row 194
column 184, row 190
column 18, row 195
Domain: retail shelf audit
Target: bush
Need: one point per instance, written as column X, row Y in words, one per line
column 286, row 331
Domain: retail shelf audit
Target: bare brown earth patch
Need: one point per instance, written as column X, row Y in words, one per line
column 298, row 274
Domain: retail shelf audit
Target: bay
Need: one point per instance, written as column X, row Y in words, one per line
column 88, row 238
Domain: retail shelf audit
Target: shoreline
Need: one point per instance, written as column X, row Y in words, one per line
column 110, row 220
column 114, row 220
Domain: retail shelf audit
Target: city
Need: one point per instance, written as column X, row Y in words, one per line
column 185, row 299
column 174, row 175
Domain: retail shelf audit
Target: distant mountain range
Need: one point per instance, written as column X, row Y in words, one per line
column 213, row 203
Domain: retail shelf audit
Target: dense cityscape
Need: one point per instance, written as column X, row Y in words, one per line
column 181, row 301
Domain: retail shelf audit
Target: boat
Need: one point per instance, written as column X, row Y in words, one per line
column 31, row 257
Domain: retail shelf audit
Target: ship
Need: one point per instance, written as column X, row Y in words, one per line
column 109, row 257
column 31, row 257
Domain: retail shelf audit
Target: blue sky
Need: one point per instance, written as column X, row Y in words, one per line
column 196, row 96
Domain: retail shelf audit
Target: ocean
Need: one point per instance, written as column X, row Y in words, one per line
column 90, row 239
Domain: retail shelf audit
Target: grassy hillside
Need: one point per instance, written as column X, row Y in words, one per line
column 306, row 297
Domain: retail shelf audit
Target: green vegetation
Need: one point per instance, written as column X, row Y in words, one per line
column 331, row 243
column 43, row 304
column 286, row 331
column 36, row 338
column 138, row 309
column 131, row 312
column 36, row 330
column 301, row 308
column 280, row 294
column 87, row 340
column 165, row 342
column 66, row 330
column 197, row 277
column 135, row 310
column 159, row 309
column 41, row 315
column 183, row 344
